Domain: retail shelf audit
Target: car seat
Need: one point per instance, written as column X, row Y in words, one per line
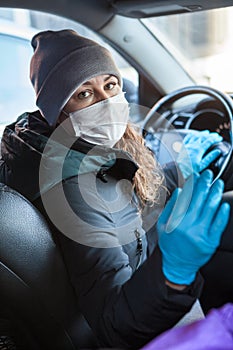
column 38, row 305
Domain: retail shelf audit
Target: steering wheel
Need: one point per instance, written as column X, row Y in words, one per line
column 168, row 139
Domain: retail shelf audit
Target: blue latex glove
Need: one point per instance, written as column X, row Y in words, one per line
column 190, row 227
column 190, row 159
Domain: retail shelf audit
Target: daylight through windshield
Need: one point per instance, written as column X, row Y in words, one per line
column 202, row 42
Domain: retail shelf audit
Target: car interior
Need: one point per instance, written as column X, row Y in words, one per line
column 39, row 310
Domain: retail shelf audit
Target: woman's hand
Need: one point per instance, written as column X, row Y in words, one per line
column 190, row 227
column 191, row 158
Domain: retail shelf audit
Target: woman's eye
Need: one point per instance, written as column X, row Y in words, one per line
column 83, row 95
column 110, row 86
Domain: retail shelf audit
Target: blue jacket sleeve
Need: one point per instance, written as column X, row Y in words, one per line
column 123, row 308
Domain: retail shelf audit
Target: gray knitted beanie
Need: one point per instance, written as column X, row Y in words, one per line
column 61, row 62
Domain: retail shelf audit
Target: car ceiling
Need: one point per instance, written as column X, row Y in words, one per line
column 102, row 11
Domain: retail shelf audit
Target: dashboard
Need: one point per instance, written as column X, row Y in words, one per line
column 165, row 131
column 205, row 115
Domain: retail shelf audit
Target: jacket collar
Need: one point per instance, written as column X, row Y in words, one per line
column 59, row 155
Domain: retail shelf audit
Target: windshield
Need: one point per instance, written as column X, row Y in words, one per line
column 202, row 42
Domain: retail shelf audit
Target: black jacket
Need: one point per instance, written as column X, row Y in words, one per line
column 109, row 246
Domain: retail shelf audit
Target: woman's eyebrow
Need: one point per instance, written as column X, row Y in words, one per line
column 108, row 77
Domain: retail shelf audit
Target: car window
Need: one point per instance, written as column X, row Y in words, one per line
column 16, row 92
column 202, row 42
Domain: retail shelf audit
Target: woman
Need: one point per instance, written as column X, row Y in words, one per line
column 81, row 162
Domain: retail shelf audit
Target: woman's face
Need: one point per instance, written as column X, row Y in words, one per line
column 96, row 89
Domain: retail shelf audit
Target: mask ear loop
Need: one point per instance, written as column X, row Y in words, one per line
column 67, row 114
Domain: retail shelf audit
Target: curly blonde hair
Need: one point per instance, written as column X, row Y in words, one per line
column 149, row 177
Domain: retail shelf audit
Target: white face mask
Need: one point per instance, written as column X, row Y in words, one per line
column 102, row 123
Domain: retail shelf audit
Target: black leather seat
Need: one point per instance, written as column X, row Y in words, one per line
column 36, row 297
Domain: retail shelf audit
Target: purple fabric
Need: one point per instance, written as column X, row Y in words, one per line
column 215, row 332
